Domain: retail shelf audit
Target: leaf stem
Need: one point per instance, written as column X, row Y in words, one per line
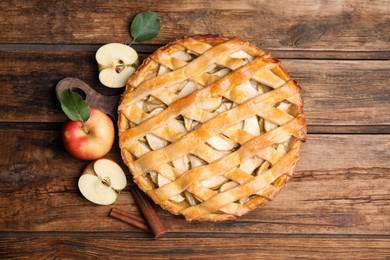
column 133, row 41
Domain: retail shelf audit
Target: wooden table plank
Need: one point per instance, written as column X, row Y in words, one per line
column 149, row 48
column 341, row 187
column 336, row 92
column 122, row 245
column 278, row 25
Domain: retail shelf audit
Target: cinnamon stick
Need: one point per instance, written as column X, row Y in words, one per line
column 129, row 218
column 149, row 213
column 131, row 215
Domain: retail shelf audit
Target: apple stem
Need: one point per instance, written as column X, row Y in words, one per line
column 84, row 127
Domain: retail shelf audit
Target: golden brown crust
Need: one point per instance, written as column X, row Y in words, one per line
column 210, row 127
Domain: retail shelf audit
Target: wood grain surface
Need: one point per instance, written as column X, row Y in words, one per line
column 337, row 205
column 121, row 246
column 315, row 25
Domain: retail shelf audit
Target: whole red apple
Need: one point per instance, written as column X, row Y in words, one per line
column 92, row 141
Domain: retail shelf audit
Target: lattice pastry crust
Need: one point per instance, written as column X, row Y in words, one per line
column 210, row 127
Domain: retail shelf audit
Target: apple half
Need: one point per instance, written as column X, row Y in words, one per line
column 102, row 181
column 116, row 63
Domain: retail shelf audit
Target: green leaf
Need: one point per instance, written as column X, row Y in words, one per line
column 74, row 106
column 145, row 26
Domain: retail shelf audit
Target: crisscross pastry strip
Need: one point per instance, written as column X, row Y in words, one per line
column 210, row 127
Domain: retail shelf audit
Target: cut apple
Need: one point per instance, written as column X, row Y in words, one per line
column 116, row 62
column 102, row 181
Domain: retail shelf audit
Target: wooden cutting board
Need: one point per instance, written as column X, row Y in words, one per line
column 107, row 104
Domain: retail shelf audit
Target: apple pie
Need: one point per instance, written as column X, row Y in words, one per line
column 211, row 127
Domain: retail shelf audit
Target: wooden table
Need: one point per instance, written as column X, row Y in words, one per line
column 336, row 206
